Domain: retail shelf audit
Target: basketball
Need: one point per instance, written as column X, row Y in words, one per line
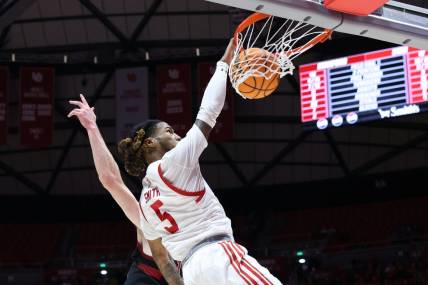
column 262, row 81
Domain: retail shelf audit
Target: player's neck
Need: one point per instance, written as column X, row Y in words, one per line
column 154, row 156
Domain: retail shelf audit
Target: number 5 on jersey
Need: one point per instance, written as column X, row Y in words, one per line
column 165, row 216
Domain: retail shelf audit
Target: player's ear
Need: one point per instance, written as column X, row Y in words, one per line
column 150, row 144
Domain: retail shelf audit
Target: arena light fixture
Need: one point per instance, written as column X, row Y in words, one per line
column 103, row 272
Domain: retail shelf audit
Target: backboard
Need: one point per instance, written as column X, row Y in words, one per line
column 395, row 22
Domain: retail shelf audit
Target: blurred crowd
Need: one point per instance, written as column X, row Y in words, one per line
column 405, row 268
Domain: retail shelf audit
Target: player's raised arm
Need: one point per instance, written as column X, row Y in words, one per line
column 188, row 150
column 107, row 168
column 215, row 93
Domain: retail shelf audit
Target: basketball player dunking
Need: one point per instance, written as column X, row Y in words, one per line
column 178, row 212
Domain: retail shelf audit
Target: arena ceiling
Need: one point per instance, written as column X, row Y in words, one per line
column 269, row 149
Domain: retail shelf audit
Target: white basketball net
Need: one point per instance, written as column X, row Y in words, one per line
column 284, row 39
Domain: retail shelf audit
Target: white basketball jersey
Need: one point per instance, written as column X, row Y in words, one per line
column 176, row 202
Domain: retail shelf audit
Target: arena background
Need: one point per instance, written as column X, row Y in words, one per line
column 351, row 201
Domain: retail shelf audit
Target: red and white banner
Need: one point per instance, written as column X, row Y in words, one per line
column 4, row 94
column 173, row 87
column 224, row 127
column 131, row 99
column 36, row 106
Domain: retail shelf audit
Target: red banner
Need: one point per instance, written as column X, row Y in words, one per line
column 224, row 127
column 174, row 94
column 36, row 106
column 4, row 94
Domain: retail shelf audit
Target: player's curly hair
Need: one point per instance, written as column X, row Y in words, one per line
column 133, row 149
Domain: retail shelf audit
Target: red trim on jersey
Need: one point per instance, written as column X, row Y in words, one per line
column 142, row 212
column 251, row 267
column 255, row 272
column 241, row 266
column 234, row 262
column 177, row 190
column 153, row 272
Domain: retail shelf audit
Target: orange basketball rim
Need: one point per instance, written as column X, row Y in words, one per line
column 281, row 40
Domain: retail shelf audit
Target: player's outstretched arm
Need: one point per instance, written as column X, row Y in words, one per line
column 215, row 93
column 189, row 149
column 107, row 168
column 165, row 263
